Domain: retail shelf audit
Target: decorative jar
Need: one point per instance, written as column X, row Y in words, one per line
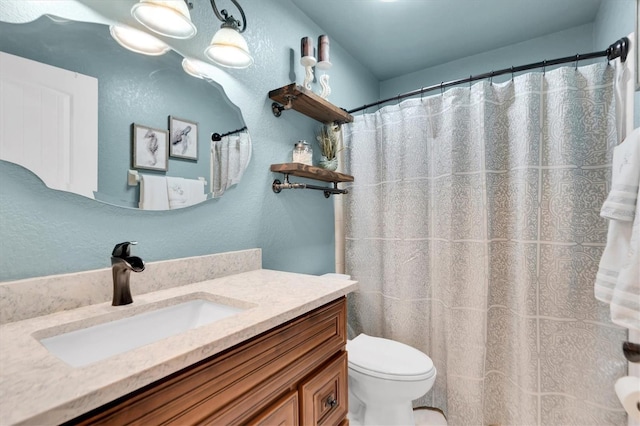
column 302, row 153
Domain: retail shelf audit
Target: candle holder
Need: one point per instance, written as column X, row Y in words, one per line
column 308, row 62
column 324, row 78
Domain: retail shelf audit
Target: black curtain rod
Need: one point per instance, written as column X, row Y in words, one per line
column 619, row 49
column 217, row 136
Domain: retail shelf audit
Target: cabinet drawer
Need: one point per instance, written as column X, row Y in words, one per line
column 323, row 397
column 283, row 412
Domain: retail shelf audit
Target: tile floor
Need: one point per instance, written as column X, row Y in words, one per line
column 423, row 417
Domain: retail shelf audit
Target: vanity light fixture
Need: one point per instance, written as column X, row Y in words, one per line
column 169, row 18
column 138, row 41
column 228, row 47
column 196, row 68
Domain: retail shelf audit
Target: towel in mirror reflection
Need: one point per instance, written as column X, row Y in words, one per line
column 166, row 192
column 229, row 159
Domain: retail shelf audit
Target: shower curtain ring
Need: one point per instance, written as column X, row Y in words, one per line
column 544, row 67
column 398, row 99
column 512, row 73
column 442, row 88
column 491, row 78
column 470, row 79
column 421, row 93
column 577, row 59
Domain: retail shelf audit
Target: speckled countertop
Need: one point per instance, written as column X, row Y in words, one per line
column 38, row 388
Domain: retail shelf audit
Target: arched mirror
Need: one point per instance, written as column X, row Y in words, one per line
column 138, row 97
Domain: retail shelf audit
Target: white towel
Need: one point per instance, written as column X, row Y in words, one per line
column 177, row 192
column 219, row 168
column 184, row 192
column 195, row 191
column 239, row 156
column 229, row 159
column 153, row 192
column 618, row 278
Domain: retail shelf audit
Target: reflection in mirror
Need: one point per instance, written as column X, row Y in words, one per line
column 142, row 90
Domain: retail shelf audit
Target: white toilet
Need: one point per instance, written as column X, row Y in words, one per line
column 385, row 376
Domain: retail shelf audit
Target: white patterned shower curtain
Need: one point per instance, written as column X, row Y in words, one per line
column 473, row 228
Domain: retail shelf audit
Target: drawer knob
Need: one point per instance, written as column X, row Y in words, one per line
column 331, row 402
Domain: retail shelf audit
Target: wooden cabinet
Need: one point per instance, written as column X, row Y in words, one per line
column 293, row 374
column 284, row 412
column 323, row 397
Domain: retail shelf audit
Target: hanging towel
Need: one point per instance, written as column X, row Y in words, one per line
column 239, row 157
column 153, row 192
column 230, row 157
column 177, row 192
column 219, row 166
column 618, row 278
column 194, row 189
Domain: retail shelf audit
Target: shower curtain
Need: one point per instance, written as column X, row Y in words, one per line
column 473, row 228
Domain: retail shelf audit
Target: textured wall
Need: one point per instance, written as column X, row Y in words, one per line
column 563, row 43
column 616, row 18
column 46, row 232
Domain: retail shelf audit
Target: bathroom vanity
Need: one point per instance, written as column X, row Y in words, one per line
column 280, row 358
column 295, row 373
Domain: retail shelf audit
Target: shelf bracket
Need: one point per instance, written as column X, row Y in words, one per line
column 278, row 186
column 277, row 109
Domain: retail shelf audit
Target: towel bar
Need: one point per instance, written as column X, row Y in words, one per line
column 631, row 351
column 278, row 186
column 133, row 178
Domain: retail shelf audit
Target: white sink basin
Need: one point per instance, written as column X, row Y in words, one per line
column 82, row 347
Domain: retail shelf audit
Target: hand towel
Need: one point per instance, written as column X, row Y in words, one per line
column 230, row 157
column 194, row 189
column 153, row 192
column 618, row 277
column 219, row 169
column 239, row 156
column 177, row 192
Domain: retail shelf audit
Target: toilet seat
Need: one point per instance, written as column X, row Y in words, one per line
column 388, row 359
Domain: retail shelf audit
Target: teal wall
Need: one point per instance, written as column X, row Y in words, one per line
column 616, row 19
column 45, row 232
column 556, row 45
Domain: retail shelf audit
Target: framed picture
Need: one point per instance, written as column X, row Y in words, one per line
column 184, row 138
column 150, row 148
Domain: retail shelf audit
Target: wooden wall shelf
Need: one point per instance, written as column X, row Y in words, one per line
column 306, row 102
column 309, row 172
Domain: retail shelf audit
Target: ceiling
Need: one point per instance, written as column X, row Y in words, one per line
column 393, row 38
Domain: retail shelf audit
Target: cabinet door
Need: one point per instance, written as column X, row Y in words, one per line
column 49, row 123
column 282, row 413
column 323, row 397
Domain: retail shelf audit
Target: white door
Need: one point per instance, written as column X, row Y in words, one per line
column 49, row 123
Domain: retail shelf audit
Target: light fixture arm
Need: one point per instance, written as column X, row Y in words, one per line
column 229, row 20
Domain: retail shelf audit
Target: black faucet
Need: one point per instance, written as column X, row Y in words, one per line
column 122, row 263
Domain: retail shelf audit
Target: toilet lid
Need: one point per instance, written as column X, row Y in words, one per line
column 386, row 358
